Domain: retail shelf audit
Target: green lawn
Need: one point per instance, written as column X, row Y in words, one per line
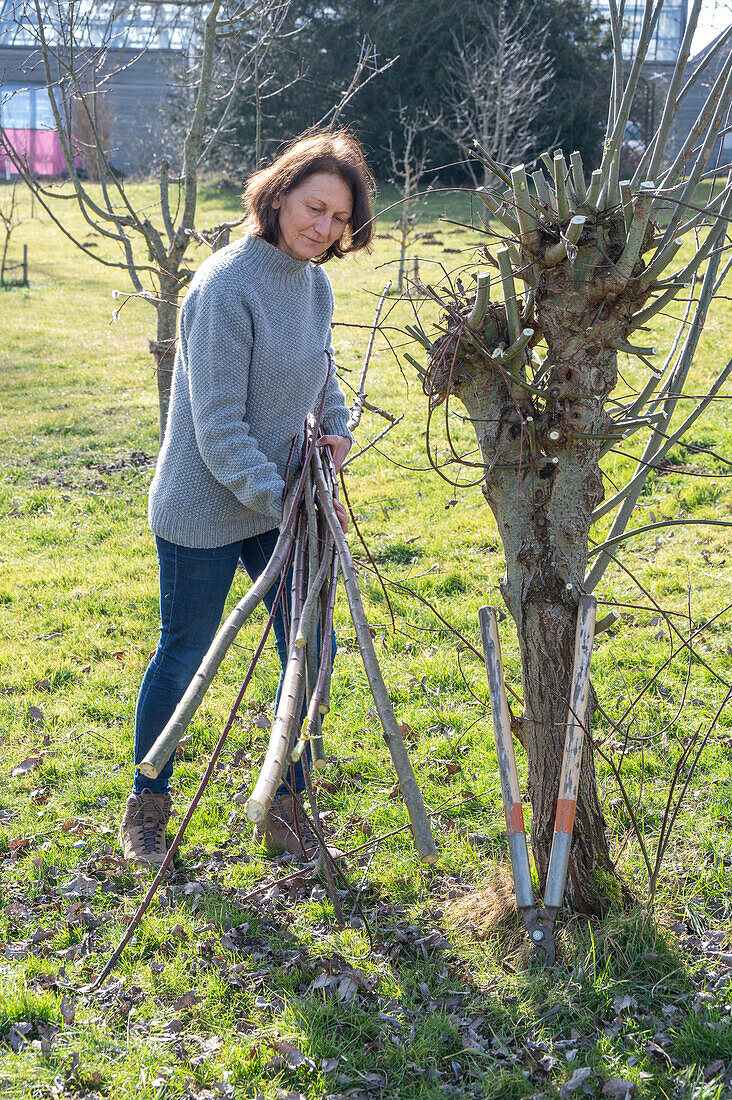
column 427, row 992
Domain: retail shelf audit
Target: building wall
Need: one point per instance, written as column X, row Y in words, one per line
column 668, row 33
column 134, row 109
column 659, row 64
column 694, row 101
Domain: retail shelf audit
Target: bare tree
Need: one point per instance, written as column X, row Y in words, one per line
column 271, row 56
column 83, row 47
column 255, row 54
column 499, row 80
column 9, row 222
column 533, row 358
column 408, row 166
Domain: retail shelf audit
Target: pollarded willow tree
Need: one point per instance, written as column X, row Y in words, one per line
column 583, row 270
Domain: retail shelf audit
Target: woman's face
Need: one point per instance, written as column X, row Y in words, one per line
column 313, row 215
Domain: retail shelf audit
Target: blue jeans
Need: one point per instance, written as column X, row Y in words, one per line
column 194, row 585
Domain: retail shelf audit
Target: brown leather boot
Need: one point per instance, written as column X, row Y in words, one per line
column 281, row 832
column 142, row 831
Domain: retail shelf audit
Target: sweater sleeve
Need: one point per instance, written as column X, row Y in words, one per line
column 218, row 338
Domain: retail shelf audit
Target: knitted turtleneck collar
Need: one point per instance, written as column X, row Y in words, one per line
column 271, row 260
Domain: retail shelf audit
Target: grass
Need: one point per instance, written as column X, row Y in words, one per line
column 217, row 996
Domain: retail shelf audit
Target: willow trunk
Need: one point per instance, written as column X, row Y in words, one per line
column 542, row 501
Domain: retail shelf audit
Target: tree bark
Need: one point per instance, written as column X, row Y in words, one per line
column 162, row 348
column 543, row 517
column 542, row 486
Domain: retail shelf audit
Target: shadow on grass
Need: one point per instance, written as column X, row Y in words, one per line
column 447, row 1001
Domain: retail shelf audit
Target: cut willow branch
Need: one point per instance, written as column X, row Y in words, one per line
column 555, row 253
column 480, row 306
column 492, row 164
column 509, row 293
column 516, row 347
column 626, row 201
column 313, row 628
column 288, row 709
column 312, row 602
column 578, row 177
column 559, row 172
column 319, row 704
column 544, row 193
column 326, row 665
column 636, row 234
column 410, row 788
column 499, row 211
column 420, row 336
column 522, row 204
column 595, row 189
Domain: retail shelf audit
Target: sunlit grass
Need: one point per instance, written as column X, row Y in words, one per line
column 78, row 614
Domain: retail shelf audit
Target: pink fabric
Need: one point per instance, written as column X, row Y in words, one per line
column 40, row 148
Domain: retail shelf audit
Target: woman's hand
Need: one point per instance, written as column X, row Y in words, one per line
column 339, row 445
column 342, row 515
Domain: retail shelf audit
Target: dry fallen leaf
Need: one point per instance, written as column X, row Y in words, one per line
column 617, row 1089
column 576, row 1081
column 42, row 685
column 19, row 844
column 28, row 765
column 346, row 988
column 80, row 887
column 17, row 1034
column 186, row 1000
column 623, row 1002
column 174, row 1026
column 67, row 1010
column 36, row 716
column 292, row 1054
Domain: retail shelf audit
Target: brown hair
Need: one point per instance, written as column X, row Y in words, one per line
column 339, row 154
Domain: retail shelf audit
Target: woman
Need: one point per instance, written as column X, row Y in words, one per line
column 252, row 361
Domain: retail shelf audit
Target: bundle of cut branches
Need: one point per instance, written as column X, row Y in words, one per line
column 313, row 548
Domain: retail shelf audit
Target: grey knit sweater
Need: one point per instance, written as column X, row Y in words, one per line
column 250, row 365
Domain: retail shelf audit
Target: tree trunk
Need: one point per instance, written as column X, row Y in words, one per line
column 162, row 348
column 542, row 491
